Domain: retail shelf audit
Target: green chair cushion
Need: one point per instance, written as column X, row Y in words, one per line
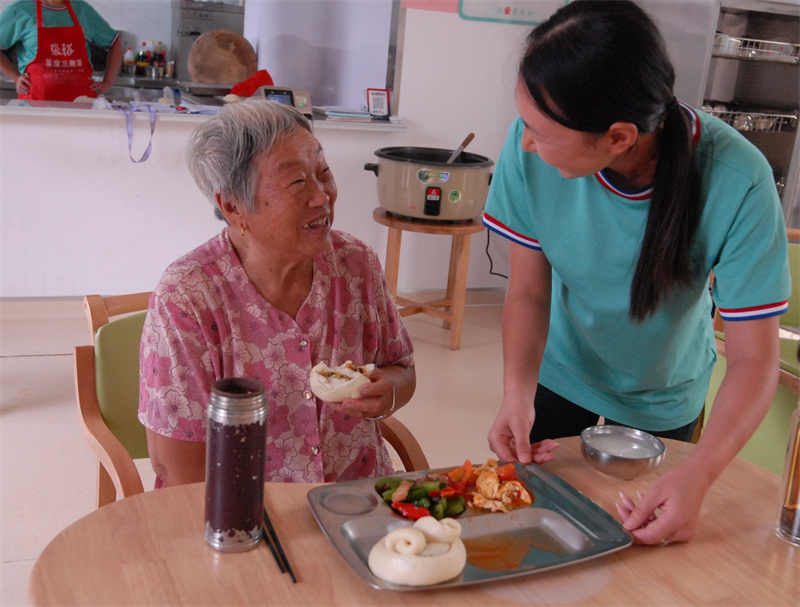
column 116, row 352
column 789, row 356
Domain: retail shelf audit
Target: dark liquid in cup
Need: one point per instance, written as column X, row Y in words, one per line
column 235, row 483
column 790, row 522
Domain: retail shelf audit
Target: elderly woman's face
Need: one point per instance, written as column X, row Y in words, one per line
column 295, row 197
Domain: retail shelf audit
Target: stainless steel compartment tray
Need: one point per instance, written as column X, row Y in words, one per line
column 567, row 526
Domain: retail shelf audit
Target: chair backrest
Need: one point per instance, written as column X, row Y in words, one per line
column 107, row 388
column 403, row 442
column 116, row 364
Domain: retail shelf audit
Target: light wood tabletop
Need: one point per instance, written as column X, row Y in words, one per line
column 149, row 550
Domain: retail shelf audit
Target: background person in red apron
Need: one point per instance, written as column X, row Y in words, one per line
column 50, row 38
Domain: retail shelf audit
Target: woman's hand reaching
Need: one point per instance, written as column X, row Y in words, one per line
column 669, row 511
column 508, row 437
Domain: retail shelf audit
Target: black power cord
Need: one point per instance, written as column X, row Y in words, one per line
column 491, row 262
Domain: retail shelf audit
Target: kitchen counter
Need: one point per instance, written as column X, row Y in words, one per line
column 63, row 109
column 69, row 185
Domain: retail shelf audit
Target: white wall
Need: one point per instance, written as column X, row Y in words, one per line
column 335, row 50
column 79, row 217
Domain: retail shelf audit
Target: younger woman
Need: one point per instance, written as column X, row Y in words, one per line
column 620, row 202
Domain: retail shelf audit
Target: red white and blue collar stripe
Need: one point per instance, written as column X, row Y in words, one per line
column 755, row 312
column 645, row 193
column 502, row 229
column 637, row 195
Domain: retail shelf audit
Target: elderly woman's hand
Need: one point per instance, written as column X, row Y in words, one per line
column 379, row 398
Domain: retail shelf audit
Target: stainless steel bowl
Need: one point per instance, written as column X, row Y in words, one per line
column 621, row 453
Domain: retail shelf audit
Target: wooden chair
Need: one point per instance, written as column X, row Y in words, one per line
column 107, row 389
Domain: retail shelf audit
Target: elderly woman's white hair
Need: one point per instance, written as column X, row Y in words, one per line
column 222, row 152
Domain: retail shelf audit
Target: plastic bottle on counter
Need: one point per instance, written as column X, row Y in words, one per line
column 160, row 55
column 142, row 59
column 129, row 62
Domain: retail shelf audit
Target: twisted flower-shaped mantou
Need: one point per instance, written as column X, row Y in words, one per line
column 428, row 553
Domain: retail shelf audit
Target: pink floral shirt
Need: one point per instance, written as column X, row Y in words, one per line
column 207, row 321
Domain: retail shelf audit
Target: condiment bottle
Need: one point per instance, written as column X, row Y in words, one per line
column 129, row 62
column 235, row 447
column 788, row 524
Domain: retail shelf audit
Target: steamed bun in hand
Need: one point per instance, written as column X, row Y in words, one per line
column 335, row 384
column 428, row 553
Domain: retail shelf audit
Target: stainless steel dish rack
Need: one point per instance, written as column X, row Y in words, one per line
column 756, row 50
column 757, row 121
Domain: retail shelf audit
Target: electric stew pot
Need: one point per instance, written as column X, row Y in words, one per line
column 418, row 183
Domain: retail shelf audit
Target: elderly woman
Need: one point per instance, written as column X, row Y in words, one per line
column 273, row 294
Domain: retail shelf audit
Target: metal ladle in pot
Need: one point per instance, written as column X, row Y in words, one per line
column 460, row 148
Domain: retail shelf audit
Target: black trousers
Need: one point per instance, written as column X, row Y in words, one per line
column 557, row 417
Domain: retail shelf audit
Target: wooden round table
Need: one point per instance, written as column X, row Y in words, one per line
column 149, row 550
column 451, row 308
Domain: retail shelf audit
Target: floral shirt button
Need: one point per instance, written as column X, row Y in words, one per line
column 303, row 343
column 308, row 395
column 315, row 450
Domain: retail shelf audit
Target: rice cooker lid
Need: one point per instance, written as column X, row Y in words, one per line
column 433, row 157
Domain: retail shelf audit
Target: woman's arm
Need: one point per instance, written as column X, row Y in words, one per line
column 526, row 317
column 742, row 401
column 752, row 350
column 21, row 81
column 113, row 65
column 175, row 377
column 176, row 462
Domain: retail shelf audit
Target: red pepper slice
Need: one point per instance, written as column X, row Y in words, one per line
column 446, row 492
column 461, row 474
column 410, row 511
column 507, row 472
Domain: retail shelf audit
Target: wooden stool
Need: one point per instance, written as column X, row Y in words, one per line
column 451, row 308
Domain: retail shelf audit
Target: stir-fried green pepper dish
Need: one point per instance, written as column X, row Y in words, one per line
column 438, row 498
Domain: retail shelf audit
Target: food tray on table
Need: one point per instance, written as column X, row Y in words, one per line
column 562, row 527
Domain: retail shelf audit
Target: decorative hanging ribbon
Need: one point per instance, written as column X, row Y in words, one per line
column 128, row 112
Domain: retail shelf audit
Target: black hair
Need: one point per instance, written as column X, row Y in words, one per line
column 597, row 62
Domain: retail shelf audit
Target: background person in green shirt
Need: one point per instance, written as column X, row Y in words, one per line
column 51, row 40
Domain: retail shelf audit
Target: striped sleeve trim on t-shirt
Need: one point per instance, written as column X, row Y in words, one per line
column 755, row 312
column 502, row 229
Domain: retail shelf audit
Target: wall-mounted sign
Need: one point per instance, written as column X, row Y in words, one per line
column 528, row 12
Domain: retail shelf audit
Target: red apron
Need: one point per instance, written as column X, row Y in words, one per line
column 61, row 70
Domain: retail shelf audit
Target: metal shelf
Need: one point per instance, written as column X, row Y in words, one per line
column 750, row 49
column 757, row 121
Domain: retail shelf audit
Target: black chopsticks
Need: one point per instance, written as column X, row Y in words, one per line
column 271, row 538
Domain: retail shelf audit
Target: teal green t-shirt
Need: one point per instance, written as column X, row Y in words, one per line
column 652, row 375
column 18, row 28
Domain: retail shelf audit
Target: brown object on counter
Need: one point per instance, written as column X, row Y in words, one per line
column 222, row 57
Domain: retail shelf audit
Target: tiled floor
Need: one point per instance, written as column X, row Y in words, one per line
column 48, row 471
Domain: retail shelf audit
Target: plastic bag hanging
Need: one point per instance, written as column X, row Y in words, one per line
column 128, row 113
